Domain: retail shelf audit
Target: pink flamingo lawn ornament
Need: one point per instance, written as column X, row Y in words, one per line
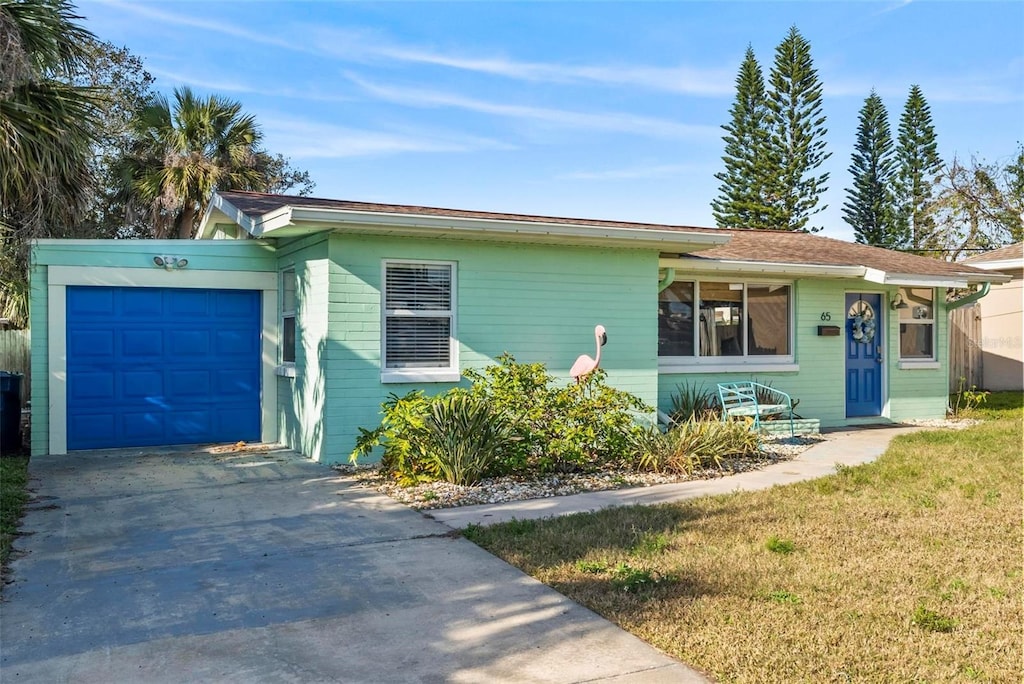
column 585, row 365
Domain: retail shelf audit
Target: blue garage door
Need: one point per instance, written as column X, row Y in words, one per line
column 151, row 366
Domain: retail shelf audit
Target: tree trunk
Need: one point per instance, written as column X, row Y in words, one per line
column 184, row 223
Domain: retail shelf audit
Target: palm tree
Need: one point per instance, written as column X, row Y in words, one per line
column 47, row 128
column 185, row 152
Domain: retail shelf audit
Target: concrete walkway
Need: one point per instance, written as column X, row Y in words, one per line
column 848, row 447
column 184, row 566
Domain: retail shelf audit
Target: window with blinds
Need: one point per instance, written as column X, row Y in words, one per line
column 418, row 316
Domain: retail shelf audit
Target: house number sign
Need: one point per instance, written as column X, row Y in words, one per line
column 826, row 315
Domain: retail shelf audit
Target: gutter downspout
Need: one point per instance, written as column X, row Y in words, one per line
column 670, row 275
column 971, row 298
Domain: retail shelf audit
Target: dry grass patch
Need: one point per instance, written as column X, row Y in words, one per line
column 907, row 569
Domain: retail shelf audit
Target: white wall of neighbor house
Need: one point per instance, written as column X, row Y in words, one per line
column 1002, row 330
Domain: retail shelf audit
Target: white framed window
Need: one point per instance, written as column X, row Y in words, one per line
column 289, row 284
column 917, row 324
column 725, row 324
column 418, row 339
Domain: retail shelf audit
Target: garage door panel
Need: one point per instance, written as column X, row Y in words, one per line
column 93, row 427
column 98, row 385
column 142, row 343
column 151, row 366
column 141, row 384
column 189, row 342
column 91, row 343
column 237, row 382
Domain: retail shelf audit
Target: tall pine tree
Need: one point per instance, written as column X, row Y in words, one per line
column 919, row 167
column 870, row 210
column 741, row 202
column 796, row 144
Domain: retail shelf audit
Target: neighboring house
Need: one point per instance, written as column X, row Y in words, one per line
column 291, row 319
column 1002, row 323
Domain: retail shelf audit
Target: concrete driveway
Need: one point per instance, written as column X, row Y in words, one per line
column 179, row 566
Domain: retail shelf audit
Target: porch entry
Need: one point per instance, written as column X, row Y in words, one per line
column 865, row 336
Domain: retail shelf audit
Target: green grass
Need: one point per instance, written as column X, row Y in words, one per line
column 905, row 569
column 13, row 495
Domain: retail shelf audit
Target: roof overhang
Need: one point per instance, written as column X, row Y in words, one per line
column 955, row 280
column 699, row 264
column 291, row 221
column 727, row 266
column 1002, row 264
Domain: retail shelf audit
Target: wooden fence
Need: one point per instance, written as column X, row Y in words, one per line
column 15, row 357
column 965, row 360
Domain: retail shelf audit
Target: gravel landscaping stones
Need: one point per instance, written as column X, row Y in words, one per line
column 434, row 495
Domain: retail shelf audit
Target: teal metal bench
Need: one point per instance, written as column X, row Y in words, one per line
column 754, row 400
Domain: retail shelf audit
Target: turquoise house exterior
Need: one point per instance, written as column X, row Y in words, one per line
column 349, row 302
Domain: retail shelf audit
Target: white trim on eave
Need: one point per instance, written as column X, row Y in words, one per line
column 1008, row 264
column 230, row 211
column 417, row 224
column 703, row 265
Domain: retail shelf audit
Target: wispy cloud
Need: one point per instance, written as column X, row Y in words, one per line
column 302, row 138
column 361, row 45
column 998, row 86
column 236, row 86
column 633, row 173
column 368, row 46
column 612, row 121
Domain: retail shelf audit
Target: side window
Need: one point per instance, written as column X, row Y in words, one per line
column 288, row 286
column 917, row 323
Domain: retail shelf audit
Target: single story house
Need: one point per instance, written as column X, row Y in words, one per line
column 1002, row 319
column 290, row 319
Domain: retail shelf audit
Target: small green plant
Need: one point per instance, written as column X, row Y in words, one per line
column 651, row 544
column 628, row 578
column 697, row 444
column 592, row 567
column 781, row 546
column 931, row 621
column 463, row 438
column 692, row 401
column 783, row 596
column 429, row 495
column 971, row 672
column 965, row 401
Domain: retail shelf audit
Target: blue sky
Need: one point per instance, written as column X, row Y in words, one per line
column 599, row 110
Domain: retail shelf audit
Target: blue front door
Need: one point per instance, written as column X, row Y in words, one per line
column 152, row 366
column 865, row 334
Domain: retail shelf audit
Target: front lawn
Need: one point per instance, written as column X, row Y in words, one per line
column 906, row 569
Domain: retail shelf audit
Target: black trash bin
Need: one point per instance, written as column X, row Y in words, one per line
column 10, row 413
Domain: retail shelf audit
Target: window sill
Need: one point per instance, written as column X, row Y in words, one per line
column 285, row 370
column 919, row 365
column 394, row 376
column 666, row 367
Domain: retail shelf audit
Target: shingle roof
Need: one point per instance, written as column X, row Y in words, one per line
column 784, row 247
column 254, row 205
column 746, row 245
column 1008, row 253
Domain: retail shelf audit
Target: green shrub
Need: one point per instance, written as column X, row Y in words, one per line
column 464, row 438
column 403, row 435
column 514, row 419
column 697, row 443
column 694, row 402
column 576, row 427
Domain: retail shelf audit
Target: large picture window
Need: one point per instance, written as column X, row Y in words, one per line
column 917, row 323
column 730, row 319
column 419, row 318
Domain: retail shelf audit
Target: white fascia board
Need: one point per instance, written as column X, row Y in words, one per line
column 766, row 267
column 232, row 213
column 1008, row 264
column 365, row 221
column 957, row 280
column 272, row 220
